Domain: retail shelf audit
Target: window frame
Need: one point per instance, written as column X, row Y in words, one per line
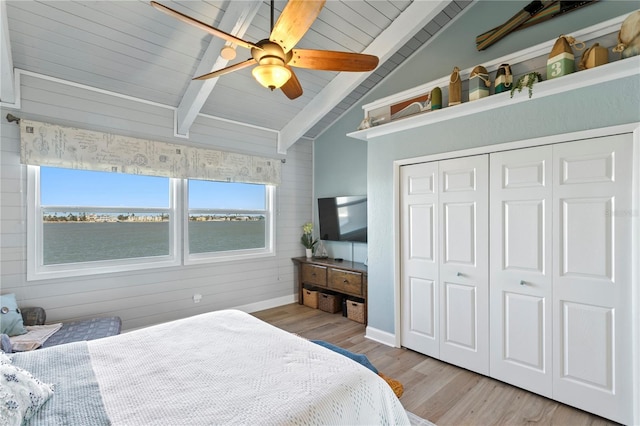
column 209, row 257
column 178, row 235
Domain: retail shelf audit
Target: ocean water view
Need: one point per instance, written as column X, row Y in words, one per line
column 93, row 241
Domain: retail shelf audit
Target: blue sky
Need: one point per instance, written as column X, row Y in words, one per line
column 102, row 189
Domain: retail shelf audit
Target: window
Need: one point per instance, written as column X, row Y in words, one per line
column 85, row 222
column 227, row 220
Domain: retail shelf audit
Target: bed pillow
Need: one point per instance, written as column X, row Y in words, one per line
column 10, row 317
column 21, row 394
column 5, row 344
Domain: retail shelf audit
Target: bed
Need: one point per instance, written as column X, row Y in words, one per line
column 224, row 367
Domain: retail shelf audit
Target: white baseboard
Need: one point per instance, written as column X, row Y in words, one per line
column 267, row 304
column 380, row 336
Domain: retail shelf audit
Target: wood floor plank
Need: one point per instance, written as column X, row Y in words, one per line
column 434, row 390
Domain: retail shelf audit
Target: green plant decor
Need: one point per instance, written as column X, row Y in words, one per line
column 307, row 239
column 527, row 80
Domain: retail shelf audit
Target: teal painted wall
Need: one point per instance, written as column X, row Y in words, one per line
column 601, row 106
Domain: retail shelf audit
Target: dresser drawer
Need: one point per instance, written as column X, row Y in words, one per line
column 347, row 281
column 314, row 274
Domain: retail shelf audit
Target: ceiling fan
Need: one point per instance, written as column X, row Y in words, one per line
column 276, row 55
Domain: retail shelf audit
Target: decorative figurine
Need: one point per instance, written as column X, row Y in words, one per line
column 504, row 78
column 561, row 60
column 593, row 56
column 479, row 83
column 629, row 36
column 365, row 123
column 436, row 98
column 455, row 87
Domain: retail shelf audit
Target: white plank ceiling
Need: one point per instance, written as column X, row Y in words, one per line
column 128, row 47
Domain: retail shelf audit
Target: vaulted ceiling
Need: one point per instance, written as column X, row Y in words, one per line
column 128, row 47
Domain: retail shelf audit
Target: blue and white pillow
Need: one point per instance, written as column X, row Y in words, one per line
column 21, row 394
column 10, row 316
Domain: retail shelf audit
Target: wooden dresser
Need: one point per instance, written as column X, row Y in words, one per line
column 343, row 277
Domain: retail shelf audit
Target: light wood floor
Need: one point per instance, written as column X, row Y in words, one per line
column 434, row 390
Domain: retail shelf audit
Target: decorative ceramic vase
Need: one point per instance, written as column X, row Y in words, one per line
column 308, row 253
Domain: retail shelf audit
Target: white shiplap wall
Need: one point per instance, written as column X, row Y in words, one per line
column 147, row 297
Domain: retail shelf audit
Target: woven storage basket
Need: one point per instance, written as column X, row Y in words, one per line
column 355, row 311
column 310, row 298
column 331, row 303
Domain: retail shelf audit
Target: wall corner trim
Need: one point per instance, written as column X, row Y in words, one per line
column 381, row 336
column 268, row 304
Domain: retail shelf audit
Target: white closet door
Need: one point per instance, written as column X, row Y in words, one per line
column 464, row 251
column 592, row 294
column 419, row 258
column 521, row 271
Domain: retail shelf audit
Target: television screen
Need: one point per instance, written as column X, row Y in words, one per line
column 343, row 218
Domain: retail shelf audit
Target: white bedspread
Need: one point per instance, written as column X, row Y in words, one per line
column 228, row 367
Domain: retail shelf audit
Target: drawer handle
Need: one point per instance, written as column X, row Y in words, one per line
column 313, row 274
column 345, row 281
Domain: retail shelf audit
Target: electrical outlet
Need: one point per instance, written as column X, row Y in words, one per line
column 197, row 298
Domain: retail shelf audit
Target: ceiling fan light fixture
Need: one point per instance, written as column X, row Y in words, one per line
column 271, row 73
column 275, row 54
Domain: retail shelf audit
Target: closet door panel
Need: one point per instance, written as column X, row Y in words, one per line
column 521, row 279
column 524, row 234
column 592, row 300
column 464, row 291
column 524, row 333
column 461, row 317
column 459, row 237
column 419, row 266
column 586, row 254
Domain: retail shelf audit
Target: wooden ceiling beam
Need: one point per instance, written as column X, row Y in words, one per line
column 410, row 21
column 236, row 20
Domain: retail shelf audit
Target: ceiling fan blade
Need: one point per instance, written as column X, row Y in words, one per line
column 208, row 28
column 330, row 60
column 292, row 87
column 226, row 70
column 294, row 21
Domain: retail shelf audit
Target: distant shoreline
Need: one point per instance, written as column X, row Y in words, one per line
column 104, row 221
column 226, row 219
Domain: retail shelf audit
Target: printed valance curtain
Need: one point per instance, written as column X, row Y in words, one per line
column 45, row 144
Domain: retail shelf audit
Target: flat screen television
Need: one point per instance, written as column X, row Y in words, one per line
column 343, row 218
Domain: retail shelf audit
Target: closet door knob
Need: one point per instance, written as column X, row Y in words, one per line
column 523, row 282
column 459, row 274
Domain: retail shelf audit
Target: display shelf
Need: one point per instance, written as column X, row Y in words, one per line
column 604, row 73
column 612, row 71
